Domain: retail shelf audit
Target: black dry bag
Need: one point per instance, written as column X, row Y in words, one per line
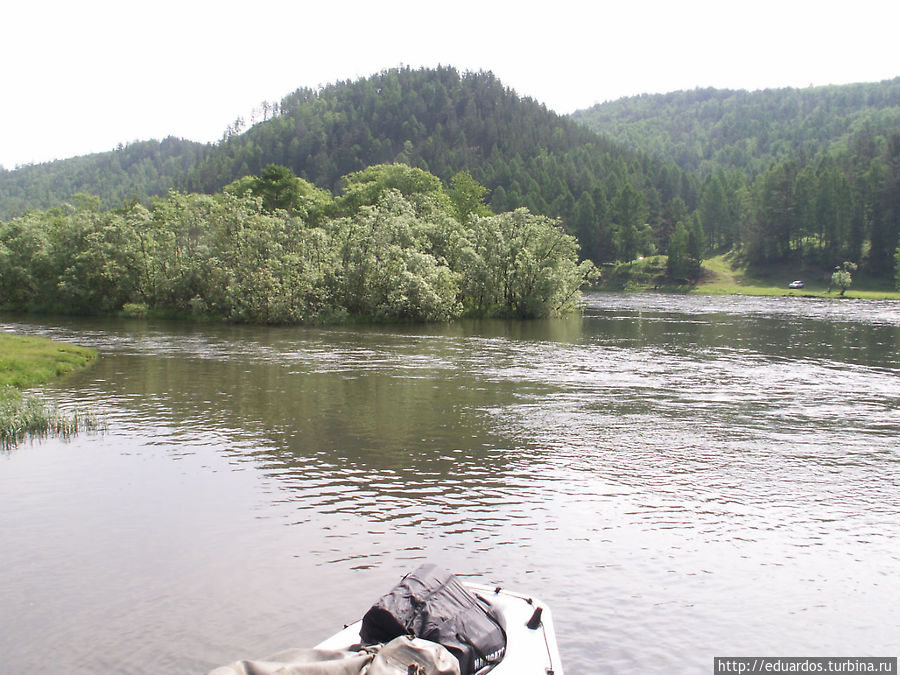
column 432, row 604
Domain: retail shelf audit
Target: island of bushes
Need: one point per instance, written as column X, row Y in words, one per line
column 393, row 245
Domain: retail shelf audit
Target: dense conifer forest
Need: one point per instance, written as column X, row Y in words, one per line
column 810, row 175
column 135, row 171
column 707, row 130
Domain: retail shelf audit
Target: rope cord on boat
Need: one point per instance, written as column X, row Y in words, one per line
column 551, row 669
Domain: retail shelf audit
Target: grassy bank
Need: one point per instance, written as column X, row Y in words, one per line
column 28, row 362
column 727, row 275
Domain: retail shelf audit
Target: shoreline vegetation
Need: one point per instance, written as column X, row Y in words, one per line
column 27, row 362
column 394, row 245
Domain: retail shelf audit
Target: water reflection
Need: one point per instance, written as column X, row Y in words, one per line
column 703, row 470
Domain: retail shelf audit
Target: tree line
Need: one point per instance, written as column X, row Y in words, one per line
column 809, row 175
column 394, row 244
column 708, row 130
column 840, row 207
column 616, row 201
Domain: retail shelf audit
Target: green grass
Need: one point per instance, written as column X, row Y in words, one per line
column 28, row 362
column 725, row 274
column 24, row 414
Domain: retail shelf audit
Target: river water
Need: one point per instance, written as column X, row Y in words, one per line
column 678, row 477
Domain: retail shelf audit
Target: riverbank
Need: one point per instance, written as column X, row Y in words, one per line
column 725, row 275
column 27, row 362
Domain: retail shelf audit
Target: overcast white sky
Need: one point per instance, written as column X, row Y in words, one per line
column 80, row 77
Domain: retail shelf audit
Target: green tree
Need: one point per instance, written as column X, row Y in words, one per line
column 627, row 242
column 806, row 205
column 584, row 224
column 467, row 197
column 28, row 274
column 886, row 221
column 674, row 210
column 269, row 267
column 714, row 212
column 696, row 245
column 98, row 267
column 499, row 201
column 365, row 188
column 279, row 188
column 628, row 215
column 677, row 262
column 175, row 250
column 770, row 238
column 897, row 268
column 385, row 271
column 834, row 211
column 521, row 265
column 841, row 278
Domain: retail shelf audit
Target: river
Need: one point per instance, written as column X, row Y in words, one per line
column 678, row 477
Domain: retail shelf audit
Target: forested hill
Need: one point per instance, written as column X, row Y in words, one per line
column 137, row 170
column 707, row 130
column 810, row 175
column 443, row 121
column 434, row 119
column 439, row 120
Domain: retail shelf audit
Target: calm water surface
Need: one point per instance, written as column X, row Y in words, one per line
column 678, row 477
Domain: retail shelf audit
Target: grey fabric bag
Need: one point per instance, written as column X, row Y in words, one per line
column 404, row 655
column 302, row 662
column 433, row 604
column 400, row 656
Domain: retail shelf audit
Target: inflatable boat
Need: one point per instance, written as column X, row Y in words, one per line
column 430, row 623
column 530, row 639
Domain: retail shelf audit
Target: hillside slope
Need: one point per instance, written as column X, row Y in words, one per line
column 137, row 170
column 710, row 129
column 779, row 175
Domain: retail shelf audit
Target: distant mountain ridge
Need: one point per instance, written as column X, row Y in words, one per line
column 787, row 174
column 137, row 170
column 706, row 130
column 701, row 130
column 439, row 120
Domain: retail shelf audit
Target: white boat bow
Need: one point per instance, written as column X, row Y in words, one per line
column 529, row 650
